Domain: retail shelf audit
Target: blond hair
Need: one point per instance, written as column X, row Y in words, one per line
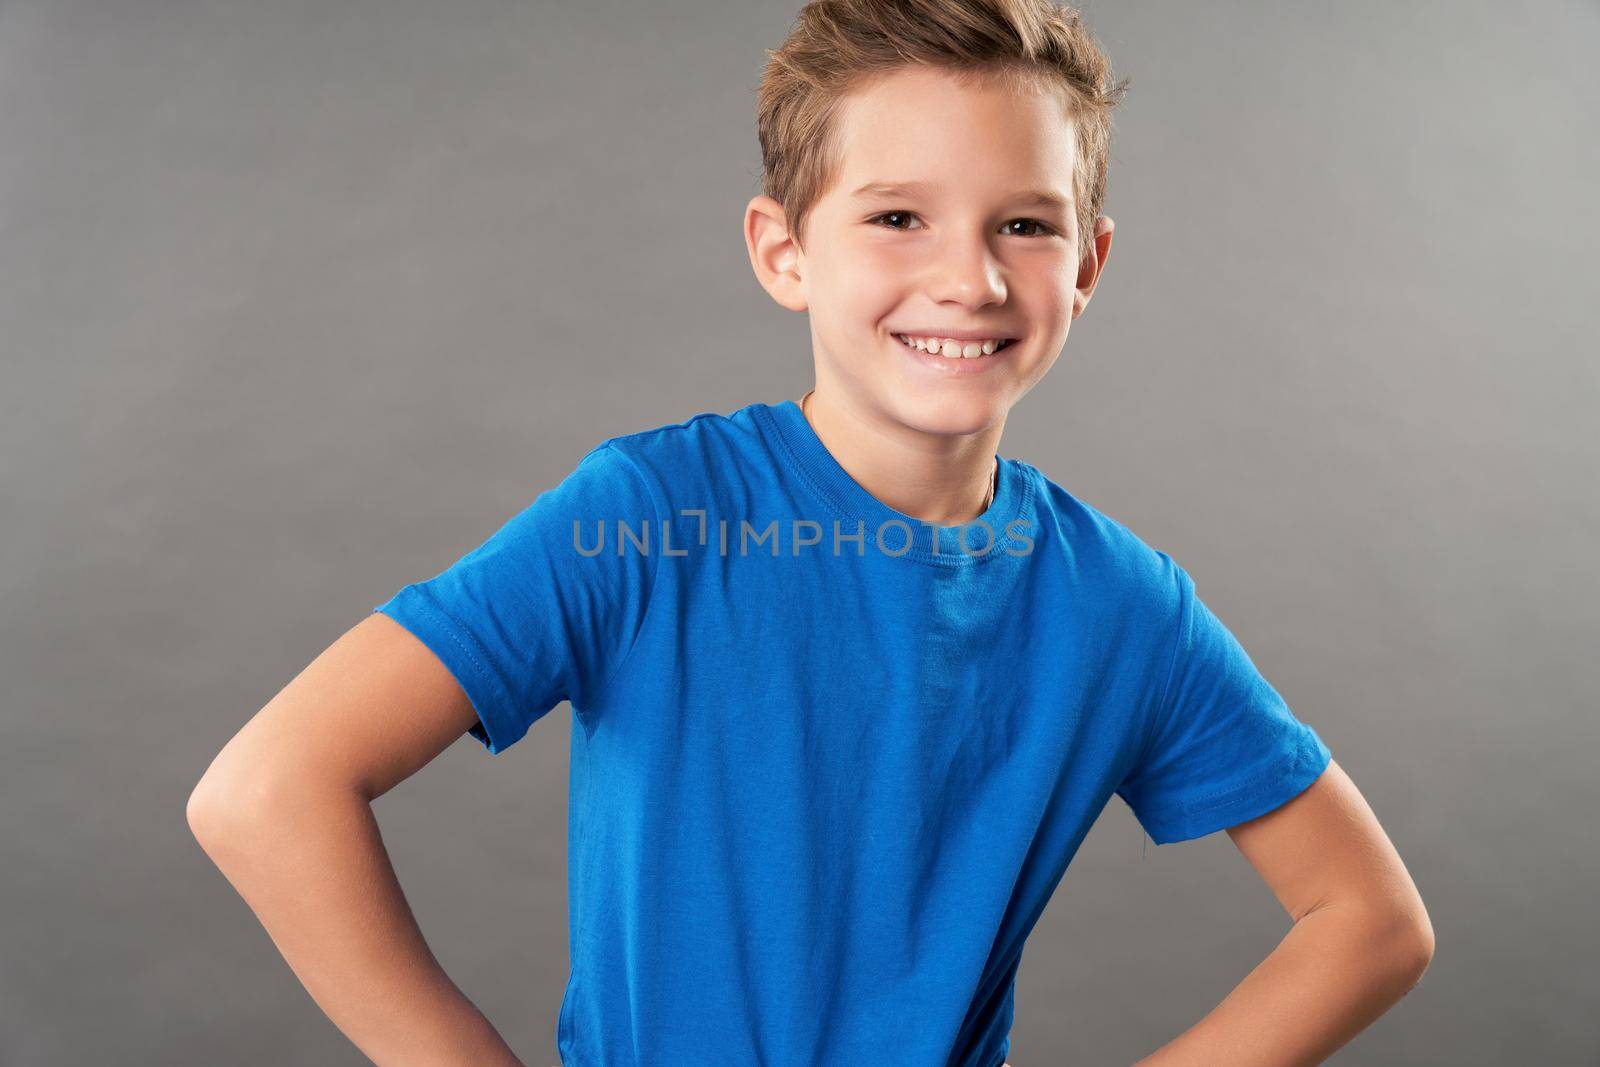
column 837, row 46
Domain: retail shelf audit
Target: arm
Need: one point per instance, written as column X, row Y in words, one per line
column 1361, row 937
column 285, row 812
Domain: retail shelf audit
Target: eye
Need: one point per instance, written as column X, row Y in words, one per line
column 1043, row 230
column 893, row 214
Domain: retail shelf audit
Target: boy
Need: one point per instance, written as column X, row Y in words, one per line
column 848, row 687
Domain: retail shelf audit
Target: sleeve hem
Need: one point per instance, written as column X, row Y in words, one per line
column 1267, row 792
column 431, row 625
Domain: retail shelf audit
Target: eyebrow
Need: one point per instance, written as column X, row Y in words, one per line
column 1035, row 197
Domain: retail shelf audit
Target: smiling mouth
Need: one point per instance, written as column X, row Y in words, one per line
column 950, row 348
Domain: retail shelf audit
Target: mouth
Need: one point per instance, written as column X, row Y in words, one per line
column 951, row 355
column 955, row 349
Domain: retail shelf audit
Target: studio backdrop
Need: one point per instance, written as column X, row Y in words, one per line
column 300, row 301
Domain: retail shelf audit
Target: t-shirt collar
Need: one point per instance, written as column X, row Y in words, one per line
column 853, row 504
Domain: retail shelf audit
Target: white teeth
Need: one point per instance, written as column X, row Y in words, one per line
column 951, row 348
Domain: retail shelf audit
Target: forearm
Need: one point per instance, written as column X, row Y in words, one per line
column 313, row 868
column 1335, row 972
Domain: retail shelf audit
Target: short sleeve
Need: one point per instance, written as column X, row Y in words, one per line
column 1225, row 748
column 548, row 607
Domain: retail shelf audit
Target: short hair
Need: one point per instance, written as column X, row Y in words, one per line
column 836, row 47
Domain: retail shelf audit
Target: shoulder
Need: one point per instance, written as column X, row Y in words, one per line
column 678, row 460
column 1102, row 549
column 695, row 434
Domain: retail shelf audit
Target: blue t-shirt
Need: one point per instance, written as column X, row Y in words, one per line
column 829, row 762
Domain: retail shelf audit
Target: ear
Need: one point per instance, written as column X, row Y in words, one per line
column 773, row 254
column 1092, row 264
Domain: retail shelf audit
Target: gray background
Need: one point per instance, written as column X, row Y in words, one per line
column 300, row 300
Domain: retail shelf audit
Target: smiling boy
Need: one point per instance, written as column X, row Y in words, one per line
column 848, row 687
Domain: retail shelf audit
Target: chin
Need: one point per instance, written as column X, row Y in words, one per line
column 955, row 412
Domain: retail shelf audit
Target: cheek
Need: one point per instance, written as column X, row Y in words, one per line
column 871, row 280
column 1051, row 281
column 883, row 259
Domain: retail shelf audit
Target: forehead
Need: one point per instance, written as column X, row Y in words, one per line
column 922, row 124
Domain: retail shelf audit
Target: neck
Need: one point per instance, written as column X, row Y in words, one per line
column 941, row 479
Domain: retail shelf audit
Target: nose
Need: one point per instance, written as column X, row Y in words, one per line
column 965, row 271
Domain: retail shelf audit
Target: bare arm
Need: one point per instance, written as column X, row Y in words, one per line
column 285, row 812
column 1361, row 937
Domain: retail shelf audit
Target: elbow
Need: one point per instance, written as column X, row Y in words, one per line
column 1407, row 943
column 238, row 788
column 237, row 816
column 1393, row 943
column 207, row 813
column 218, row 809
column 1421, row 946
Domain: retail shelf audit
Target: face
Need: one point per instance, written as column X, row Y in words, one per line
column 963, row 248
